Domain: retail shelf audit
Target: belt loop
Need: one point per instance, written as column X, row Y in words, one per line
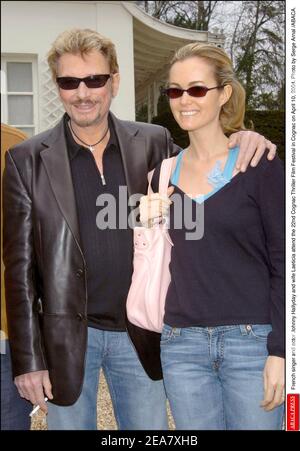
column 243, row 329
column 176, row 331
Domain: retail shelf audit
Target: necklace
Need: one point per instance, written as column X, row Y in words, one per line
column 91, row 146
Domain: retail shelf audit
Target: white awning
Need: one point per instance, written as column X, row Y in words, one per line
column 154, row 45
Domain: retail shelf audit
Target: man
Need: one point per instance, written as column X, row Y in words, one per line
column 67, row 280
column 14, row 410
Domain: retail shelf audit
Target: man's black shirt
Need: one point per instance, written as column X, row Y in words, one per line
column 108, row 252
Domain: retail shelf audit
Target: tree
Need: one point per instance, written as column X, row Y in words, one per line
column 254, row 33
column 159, row 9
column 194, row 15
column 257, row 50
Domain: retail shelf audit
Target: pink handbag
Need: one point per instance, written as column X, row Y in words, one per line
column 151, row 275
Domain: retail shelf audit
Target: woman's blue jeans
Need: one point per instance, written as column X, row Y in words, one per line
column 14, row 409
column 214, row 377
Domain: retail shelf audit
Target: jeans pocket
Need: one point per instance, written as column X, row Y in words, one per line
column 260, row 331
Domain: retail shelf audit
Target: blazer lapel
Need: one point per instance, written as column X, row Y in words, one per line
column 56, row 161
column 134, row 156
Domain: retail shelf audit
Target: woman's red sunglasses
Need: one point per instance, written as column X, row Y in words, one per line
column 194, row 91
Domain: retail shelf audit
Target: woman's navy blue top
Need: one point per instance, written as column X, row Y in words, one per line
column 234, row 274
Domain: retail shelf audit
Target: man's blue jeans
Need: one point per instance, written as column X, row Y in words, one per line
column 214, row 377
column 138, row 401
column 14, row 409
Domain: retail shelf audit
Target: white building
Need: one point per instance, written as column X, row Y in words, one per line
column 144, row 47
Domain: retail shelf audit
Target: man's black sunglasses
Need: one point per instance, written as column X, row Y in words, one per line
column 194, row 91
column 93, row 81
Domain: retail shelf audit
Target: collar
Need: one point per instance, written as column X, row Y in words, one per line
column 74, row 147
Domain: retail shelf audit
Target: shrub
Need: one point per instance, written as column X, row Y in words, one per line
column 271, row 124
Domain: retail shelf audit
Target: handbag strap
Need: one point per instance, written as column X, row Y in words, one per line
column 165, row 174
column 150, row 175
column 164, row 177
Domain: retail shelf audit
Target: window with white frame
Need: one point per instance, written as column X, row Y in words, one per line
column 19, row 98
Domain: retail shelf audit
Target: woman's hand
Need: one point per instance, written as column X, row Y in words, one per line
column 274, row 393
column 252, row 147
column 154, row 207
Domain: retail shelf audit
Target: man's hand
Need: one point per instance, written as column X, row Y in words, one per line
column 252, row 147
column 274, row 394
column 34, row 387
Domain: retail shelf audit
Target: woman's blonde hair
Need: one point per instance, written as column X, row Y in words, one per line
column 233, row 111
column 82, row 41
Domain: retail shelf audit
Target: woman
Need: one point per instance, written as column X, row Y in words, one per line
column 222, row 345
